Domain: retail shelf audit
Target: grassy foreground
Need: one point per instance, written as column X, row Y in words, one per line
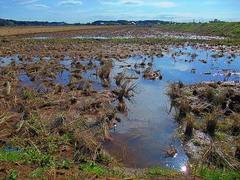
column 37, row 165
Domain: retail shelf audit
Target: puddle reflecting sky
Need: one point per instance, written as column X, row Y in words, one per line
column 144, row 135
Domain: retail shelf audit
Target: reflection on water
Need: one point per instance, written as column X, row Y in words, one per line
column 128, row 36
column 149, row 129
column 5, row 61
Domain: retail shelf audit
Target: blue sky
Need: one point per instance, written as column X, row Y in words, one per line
column 91, row 10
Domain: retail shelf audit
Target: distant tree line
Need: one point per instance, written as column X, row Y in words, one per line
column 9, row 22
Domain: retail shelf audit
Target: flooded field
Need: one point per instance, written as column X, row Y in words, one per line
column 120, row 89
column 148, row 129
column 125, row 36
column 108, row 99
column 107, row 33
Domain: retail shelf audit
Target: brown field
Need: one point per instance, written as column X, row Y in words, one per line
column 23, row 30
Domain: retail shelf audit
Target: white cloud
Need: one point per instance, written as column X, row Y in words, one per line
column 121, row 2
column 162, row 4
column 40, row 6
column 131, row 2
column 70, row 2
column 32, row 4
column 26, row 2
column 166, row 4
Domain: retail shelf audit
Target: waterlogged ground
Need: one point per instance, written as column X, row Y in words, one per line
column 148, row 129
column 129, row 36
column 121, row 32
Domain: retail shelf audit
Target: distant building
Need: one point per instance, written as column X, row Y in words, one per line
column 216, row 21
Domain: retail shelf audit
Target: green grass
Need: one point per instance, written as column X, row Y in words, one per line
column 226, row 29
column 29, row 156
column 11, row 156
column 39, row 172
column 44, row 162
column 157, row 171
column 93, row 168
column 12, row 174
column 99, row 170
column 217, row 174
column 28, row 94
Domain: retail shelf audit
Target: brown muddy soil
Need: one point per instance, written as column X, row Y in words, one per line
column 101, row 32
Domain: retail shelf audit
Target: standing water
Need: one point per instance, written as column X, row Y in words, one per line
column 149, row 128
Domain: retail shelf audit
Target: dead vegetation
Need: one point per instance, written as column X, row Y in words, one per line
column 55, row 114
column 57, row 98
column 210, row 108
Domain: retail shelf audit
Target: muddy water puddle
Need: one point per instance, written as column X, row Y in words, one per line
column 148, row 130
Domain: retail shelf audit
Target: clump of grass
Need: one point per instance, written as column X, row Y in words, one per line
column 211, row 123
column 157, row 171
column 28, row 156
column 105, row 70
column 65, row 164
column 216, row 174
column 211, row 126
column 219, row 99
column 119, row 78
column 230, row 125
column 237, row 153
column 7, row 86
column 86, row 147
column 121, row 106
column 11, row 156
column 184, row 109
column 174, row 91
column 215, row 97
column 235, row 127
column 104, row 158
column 94, row 168
column 210, row 94
column 37, row 173
column 126, row 90
column 189, row 126
column 28, row 94
column 34, row 156
column 12, row 174
column 100, row 170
